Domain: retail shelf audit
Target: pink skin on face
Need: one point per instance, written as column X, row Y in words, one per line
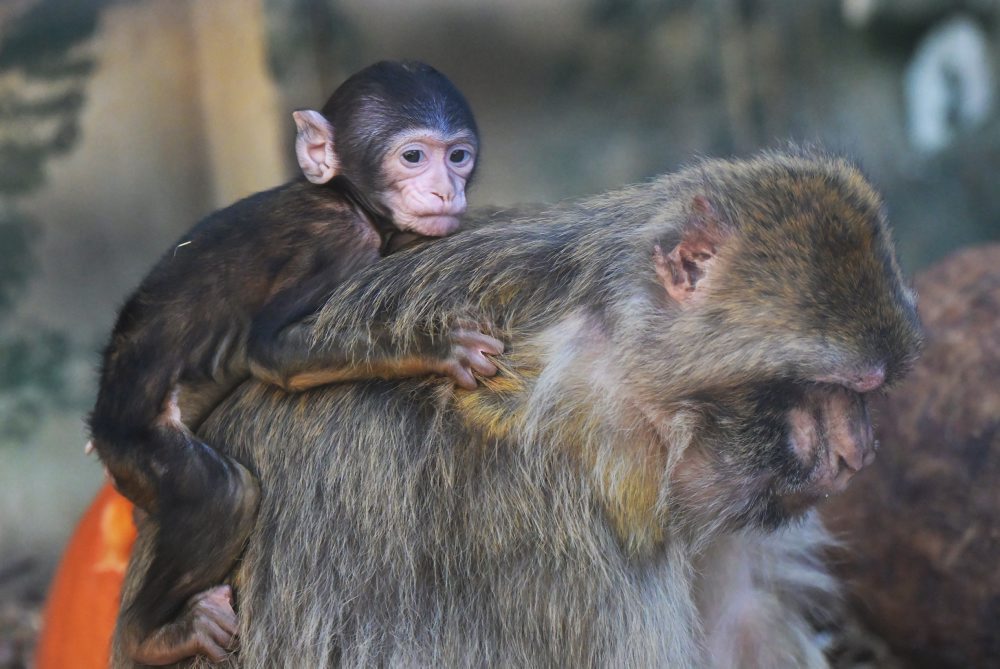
column 833, row 424
column 862, row 381
column 427, row 174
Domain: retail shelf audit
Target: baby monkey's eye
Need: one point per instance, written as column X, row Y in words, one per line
column 459, row 156
column 413, row 155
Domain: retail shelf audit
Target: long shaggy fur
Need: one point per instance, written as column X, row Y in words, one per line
column 531, row 523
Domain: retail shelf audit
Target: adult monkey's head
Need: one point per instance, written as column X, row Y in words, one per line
column 405, row 138
column 785, row 310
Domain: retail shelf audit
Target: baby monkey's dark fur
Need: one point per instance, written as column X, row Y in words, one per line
column 224, row 304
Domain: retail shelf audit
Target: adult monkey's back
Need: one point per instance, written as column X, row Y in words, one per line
column 685, row 376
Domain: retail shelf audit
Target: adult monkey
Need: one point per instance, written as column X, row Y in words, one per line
column 387, row 161
column 685, row 375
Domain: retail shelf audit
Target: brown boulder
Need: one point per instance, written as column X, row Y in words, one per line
column 922, row 527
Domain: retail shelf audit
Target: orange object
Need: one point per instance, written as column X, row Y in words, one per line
column 83, row 602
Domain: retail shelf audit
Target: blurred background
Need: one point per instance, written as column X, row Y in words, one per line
column 122, row 122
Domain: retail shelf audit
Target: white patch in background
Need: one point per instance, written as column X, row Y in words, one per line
column 948, row 84
column 858, row 13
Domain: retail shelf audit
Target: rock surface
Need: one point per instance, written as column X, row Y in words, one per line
column 922, row 528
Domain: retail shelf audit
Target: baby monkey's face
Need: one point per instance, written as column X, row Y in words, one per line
column 426, row 174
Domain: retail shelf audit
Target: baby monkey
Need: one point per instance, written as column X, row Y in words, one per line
column 385, row 162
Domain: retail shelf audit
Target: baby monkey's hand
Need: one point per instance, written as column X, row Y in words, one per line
column 469, row 347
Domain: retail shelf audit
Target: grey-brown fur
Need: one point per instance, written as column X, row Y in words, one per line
column 535, row 522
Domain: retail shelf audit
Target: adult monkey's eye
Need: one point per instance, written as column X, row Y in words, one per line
column 413, row 155
column 459, row 156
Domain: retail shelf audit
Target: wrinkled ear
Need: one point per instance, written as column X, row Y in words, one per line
column 314, row 146
column 684, row 269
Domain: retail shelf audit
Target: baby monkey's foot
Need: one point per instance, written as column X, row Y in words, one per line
column 206, row 626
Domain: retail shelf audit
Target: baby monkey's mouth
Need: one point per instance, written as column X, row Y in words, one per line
column 432, row 225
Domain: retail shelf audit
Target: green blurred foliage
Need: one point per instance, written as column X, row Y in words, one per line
column 43, row 36
column 31, row 382
column 40, row 47
column 17, row 234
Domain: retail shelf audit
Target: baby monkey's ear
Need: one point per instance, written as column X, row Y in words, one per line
column 314, row 146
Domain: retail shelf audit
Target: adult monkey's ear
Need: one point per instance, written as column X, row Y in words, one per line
column 314, row 146
column 685, row 269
